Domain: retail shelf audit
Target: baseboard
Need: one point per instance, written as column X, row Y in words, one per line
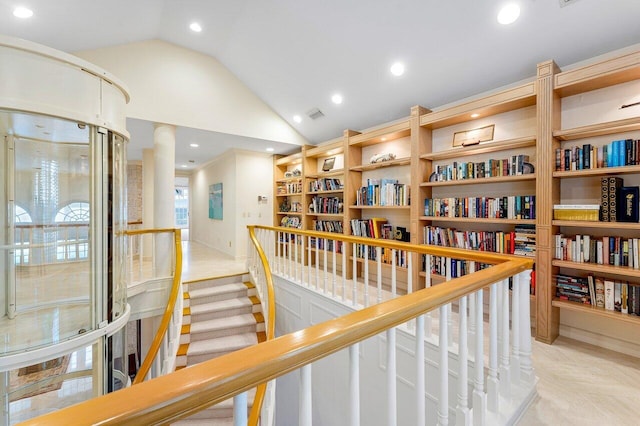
column 600, row 340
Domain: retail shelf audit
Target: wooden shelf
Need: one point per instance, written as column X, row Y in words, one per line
column 595, row 267
column 600, row 225
column 290, row 213
column 290, row 159
column 387, row 133
column 391, row 163
column 331, row 173
column 289, row 194
column 593, row 310
column 380, row 207
column 479, row 220
column 602, row 171
column 332, row 191
column 482, row 148
column 480, row 181
column 326, row 214
column 601, row 129
column 288, row 180
column 326, row 149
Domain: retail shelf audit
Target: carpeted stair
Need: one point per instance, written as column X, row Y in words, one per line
column 221, row 315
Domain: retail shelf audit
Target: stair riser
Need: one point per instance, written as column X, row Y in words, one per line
column 194, row 301
column 213, row 334
column 193, row 285
column 205, row 316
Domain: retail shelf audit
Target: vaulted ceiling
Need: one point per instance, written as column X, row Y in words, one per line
column 296, row 54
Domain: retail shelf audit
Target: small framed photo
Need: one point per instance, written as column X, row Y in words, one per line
column 328, row 164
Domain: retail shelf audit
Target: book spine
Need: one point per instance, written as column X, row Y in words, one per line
column 614, row 185
column 604, row 199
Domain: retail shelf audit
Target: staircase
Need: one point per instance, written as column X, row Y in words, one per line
column 221, row 315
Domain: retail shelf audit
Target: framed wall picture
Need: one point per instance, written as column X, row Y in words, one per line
column 215, row 201
column 328, row 164
column 473, row 136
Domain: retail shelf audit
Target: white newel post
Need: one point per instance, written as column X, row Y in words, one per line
column 420, row 377
column 492, row 380
column 354, row 384
column 305, row 414
column 443, row 347
column 527, row 373
column 463, row 417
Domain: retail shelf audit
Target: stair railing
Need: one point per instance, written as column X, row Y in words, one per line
column 160, row 357
column 480, row 391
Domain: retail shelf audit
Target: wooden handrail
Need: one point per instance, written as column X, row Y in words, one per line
column 187, row 391
column 456, row 253
column 254, row 415
column 171, row 303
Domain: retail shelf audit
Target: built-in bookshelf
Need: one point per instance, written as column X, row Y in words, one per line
column 536, row 123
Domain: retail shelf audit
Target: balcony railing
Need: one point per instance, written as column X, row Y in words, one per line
column 492, row 379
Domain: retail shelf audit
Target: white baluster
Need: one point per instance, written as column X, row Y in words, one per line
column 427, row 284
column 463, row 417
column 527, row 373
column 290, row 253
column 410, row 273
column 366, row 275
column 448, row 319
column 392, row 403
column 443, row 346
column 479, row 397
column 354, row 384
column 505, row 373
column 317, row 263
column 309, row 263
column 492, row 380
column 394, row 273
column 515, row 330
column 379, row 273
column 305, row 414
column 302, row 252
column 296, row 259
column 354, row 281
column 326, row 244
column 471, row 301
column 344, row 273
column 240, row 409
column 334, row 269
column 420, row 377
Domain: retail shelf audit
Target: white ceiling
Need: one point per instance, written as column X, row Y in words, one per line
column 295, row 54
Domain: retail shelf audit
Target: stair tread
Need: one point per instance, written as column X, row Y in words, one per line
column 220, row 344
column 221, row 305
column 217, row 290
column 222, row 323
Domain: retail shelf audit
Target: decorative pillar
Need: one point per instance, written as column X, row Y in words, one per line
column 164, row 149
column 147, row 197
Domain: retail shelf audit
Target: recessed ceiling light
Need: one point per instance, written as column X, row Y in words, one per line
column 22, row 12
column 194, row 145
column 270, row 149
column 297, row 119
column 195, row 27
column 336, row 99
column 184, row 166
column 397, row 69
column 509, row 13
column 475, row 115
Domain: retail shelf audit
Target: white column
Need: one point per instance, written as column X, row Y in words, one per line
column 164, row 153
column 305, row 413
column 147, row 197
column 354, row 384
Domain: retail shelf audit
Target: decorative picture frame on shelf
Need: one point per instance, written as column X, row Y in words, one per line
column 328, row 164
column 474, row 136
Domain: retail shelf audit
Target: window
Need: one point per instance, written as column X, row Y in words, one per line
column 22, row 233
column 73, row 239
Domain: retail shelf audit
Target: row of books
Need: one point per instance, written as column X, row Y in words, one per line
column 514, row 165
column 508, row 207
column 386, row 255
column 383, row 192
column 328, row 226
column 294, row 207
column 618, row 153
column 326, row 244
column 291, row 222
column 289, row 188
column 521, row 241
column 618, row 203
column 325, row 184
column 608, row 250
column 325, row 205
column 609, row 294
column 371, row 228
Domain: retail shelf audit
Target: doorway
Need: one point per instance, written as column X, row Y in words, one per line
column 182, row 206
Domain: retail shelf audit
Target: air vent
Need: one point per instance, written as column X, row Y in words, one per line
column 564, row 3
column 315, row 113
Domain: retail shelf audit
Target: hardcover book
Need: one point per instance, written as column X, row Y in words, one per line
column 609, row 295
column 614, row 187
column 628, row 204
column 604, row 199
